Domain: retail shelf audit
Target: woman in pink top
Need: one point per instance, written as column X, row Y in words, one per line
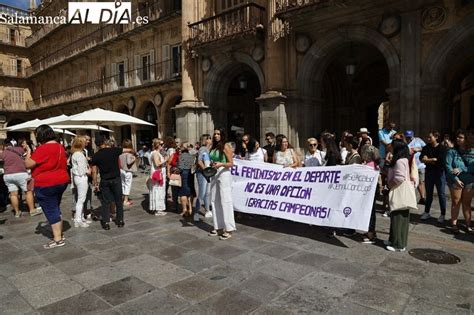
column 398, row 172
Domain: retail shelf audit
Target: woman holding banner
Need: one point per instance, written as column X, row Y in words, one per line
column 402, row 197
column 221, row 186
column 285, row 155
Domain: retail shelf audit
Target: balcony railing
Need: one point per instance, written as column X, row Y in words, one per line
column 12, row 71
column 241, row 20
column 7, row 39
column 168, row 70
column 6, row 105
column 102, row 35
column 286, row 6
column 44, row 30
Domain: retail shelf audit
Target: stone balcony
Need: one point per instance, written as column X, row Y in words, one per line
column 12, row 71
column 241, row 21
column 286, row 9
column 150, row 76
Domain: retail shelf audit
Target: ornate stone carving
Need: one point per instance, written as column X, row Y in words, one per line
column 258, row 53
column 433, row 17
column 303, row 42
column 206, row 65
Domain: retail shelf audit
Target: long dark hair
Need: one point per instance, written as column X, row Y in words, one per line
column 221, row 144
column 332, row 151
column 45, row 133
column 251, row 145
column 400, row 151
column 459, row 132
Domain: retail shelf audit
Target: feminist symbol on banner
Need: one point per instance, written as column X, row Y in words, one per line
column 347, row 211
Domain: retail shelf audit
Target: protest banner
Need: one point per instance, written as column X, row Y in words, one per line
column 335, row 196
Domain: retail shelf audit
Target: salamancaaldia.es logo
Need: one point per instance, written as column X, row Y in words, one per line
column 117, row 12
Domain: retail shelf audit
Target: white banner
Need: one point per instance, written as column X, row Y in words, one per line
column 336, row 196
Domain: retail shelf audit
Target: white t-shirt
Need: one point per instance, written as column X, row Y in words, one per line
column 256, row 156
column 315, row 159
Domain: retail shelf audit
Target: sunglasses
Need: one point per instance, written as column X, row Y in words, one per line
column 313, row 145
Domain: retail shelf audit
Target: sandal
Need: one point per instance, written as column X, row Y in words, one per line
column 54, row 244
column 213, row 233
column 225, row 236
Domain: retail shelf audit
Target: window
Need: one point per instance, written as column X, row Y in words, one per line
column 145, row 70
column 12, row 36
column 17, row 96
column 121, row 73
column 19, row 68
column 176, row 59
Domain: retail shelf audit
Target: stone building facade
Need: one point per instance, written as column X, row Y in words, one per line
column 295, row 67
column 298, row 67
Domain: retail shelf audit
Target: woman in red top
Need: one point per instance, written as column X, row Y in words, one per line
column 48, row 164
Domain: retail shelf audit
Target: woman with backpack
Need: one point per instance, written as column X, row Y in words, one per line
column 185, row 164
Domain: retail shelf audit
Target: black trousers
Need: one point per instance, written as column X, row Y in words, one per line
column 111, row 192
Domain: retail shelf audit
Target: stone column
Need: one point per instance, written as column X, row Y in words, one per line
column 133, row 129
column 435, row 113
column 192, row 120
column 273, row 115
column 410, row 56
column 395, row 111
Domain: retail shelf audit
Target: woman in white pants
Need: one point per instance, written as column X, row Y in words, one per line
column 157, row 187
column 80, row 172
column 221, row 186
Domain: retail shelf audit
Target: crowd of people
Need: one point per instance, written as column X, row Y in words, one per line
column 175, row 168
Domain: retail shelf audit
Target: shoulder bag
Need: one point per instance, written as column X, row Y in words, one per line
column 403, row 196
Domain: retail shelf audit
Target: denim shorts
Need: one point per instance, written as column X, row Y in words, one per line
column 16, row 181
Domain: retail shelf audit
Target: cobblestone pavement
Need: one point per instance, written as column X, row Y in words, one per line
column 165, row 265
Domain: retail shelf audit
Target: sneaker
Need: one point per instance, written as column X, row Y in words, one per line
column 367, row 240
column 441, row 219
column 196, row 217
column 208, row 214
column 54, row 244
column 81, row 224
column 421, row 201
column 18, row 214
column 386, row 214
column 393, row 249
column 36, row 212
column 425, row 216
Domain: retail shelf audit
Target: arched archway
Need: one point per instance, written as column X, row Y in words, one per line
column 125, row 131
column 167, row 118
column 323, row 78
column 449, row 64
column 145, row 134
column 230, row 90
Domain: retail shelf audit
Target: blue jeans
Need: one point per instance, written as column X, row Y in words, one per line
column 49, row 199
column 438, row 179
column 203, row 195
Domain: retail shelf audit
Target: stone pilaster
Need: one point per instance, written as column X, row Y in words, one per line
column 192, row 120
column 273, row 114
column 410, row 55
column 435, row 113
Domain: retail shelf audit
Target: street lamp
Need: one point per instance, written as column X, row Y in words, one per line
column 242, row 83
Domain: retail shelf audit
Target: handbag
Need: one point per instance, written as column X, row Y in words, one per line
column 175, row 180
column 403, row 197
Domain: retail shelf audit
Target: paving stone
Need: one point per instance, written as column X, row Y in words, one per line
column 263, row 287
column 251, row 261
column 100, row 276
column 142, row 226
column 87, row 236
column 123, row 290
column 288, row 271
column 197, row 262
column 246, row 242
column 352, row 308
column 13, row 303
column 84, row 303
column 157, row 301
column 226, row 275
column 309, row 259
column 5, row 287
column 80, row 265
column 23, row 265
column 275, row 250
column 225, row 251
column 170, row 253
column 10, row 252
column 199, row 244
column 119, row 253
column 421, row 307
column 194, row 289
column 51, row 293
column 345, row 268
column 303, row 299
column 177, row 238
column 380, row 298
column 38, row 277
column 62, row 254
column 328, row 283
column 229, row 302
